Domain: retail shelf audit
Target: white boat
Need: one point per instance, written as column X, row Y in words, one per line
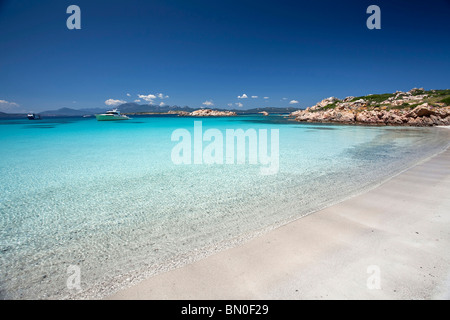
column 33, row 116
column 111, row 116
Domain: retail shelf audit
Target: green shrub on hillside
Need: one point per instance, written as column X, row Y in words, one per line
column 436, row 93
column 446, row 101
column 375, row 97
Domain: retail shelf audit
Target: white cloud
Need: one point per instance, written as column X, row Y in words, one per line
column 293, row 102
column 149, row 97
column 4, row 102
column 254, row 97
column 208, row 103
column 284, row 99
column 112, row 102
column 162, row 104
column 244, row 96
column 266, row 98
column 240, row 105
column 162, row 96
column 137, row 100
column 128, row 94
column 7, row 106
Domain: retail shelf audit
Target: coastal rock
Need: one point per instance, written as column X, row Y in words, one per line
column 360, row 103
column 393, row 118
column 416, row 90
column 436, row 120
column 180, row 113
column 446, row 121
column 377, row 117
column 442, row 112
column 348, row 99
column 423, row 110
column 324, row 103
column 369, row 117
column 299, row 112
column 327, row 101
column 415, row 121
column 401, row 108
column 345, row 116
column 212, row 113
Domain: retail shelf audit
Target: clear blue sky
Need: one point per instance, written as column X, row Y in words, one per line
column 205, row 50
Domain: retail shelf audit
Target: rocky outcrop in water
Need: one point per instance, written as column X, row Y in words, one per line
column 211, row 113
column 204, row 113
column 416, row 107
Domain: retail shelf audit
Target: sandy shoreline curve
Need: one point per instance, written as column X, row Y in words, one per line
column 398, row 233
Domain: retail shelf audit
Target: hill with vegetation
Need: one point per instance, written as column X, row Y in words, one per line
column 417, row 107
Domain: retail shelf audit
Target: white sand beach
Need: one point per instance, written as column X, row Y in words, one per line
column 401, row 228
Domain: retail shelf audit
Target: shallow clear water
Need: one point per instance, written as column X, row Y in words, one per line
column 106, row 196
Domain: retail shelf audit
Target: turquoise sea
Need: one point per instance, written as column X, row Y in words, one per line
column 107, row 198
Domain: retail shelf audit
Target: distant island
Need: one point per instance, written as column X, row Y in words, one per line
column 417, row 107
column 146, row 109
column 4, row 115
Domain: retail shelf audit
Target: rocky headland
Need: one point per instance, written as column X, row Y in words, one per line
column 416, row 107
